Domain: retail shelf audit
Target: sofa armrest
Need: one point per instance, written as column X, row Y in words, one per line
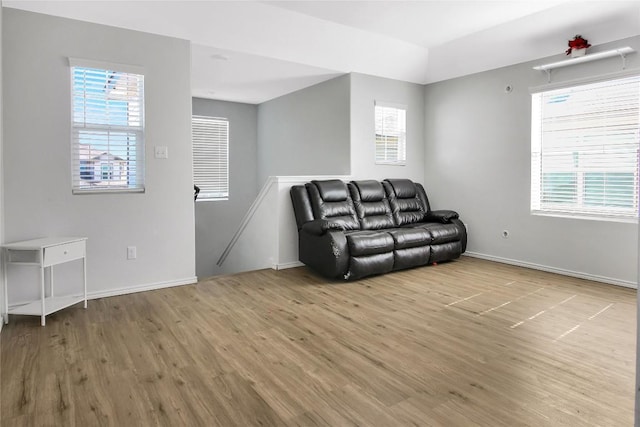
column 319, row 227
column 328, row 253
column 443, row 216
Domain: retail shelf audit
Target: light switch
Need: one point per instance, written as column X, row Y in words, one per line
column 162, row 152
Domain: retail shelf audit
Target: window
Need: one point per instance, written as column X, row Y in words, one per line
column 107, row 128
column 211, row 157
column 391, row 134
column 107, row 172
column 584, row 150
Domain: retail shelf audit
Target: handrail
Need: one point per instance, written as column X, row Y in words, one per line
column 247, row 217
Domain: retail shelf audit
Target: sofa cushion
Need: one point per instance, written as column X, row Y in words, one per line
column 403, row 188
column 409, row 237
column 408, row 211
column 369, row 242
column 369, row 190
column 332, row 190
column 443, row 233
column 372, row 206
column 407, row 206
column 330, row 200
column 440, row 233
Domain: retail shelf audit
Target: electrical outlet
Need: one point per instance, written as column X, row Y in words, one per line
column 131, row 252
column 161, row 152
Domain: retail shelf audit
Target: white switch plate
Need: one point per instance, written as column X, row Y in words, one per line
column 131, row 252
column 161, row 152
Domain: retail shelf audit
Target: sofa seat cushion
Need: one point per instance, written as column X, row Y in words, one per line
column 369, row 242
column 404, row 238
column 440, row 233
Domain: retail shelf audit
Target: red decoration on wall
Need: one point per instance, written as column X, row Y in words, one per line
column 577, row 43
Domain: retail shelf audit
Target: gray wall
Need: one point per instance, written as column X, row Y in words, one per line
column 477, row 161
column 365, row 90
column 305, row 132
column 38, row 199
column 217, row 220
column 1, row 175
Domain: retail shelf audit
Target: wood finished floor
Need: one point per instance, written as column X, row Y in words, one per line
column 465, row 343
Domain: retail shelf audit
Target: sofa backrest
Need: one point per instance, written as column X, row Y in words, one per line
column 371, row 203
column 330, row 200
column 408, row 200
column 301, row 205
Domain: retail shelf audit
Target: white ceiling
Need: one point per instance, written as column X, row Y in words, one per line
column 253, row 51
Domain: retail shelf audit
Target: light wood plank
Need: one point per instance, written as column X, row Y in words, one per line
column 468, row 342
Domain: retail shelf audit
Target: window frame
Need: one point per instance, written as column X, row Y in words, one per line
column 585, row 174
column 208, row 191
column 83, row 171
column 401, row 158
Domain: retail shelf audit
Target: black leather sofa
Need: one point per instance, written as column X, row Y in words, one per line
column 361, row 228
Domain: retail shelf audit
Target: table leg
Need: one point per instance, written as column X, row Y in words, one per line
column 84, row 279
column 51, row 280
column 6, row 286
column 42, row 296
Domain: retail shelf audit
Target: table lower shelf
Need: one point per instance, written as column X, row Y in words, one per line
column 51, row 305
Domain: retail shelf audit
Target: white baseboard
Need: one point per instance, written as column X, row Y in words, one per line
column 1, row 323
column 285, row 265
column 141, row 288
column 579, row 275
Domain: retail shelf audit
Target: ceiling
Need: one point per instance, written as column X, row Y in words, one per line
column 253, row 51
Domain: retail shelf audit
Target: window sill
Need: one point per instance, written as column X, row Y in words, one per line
column 217, row 199
column 392, row 163
column 585, row 217
column 108, row 191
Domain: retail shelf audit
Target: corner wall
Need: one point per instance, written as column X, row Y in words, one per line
column 478, row 162
column 216, row 220
column 37, row 155
column 305, row 132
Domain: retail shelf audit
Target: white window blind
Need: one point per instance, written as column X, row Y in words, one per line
column 107, row 130
column 584, row 150
column 391, row 134
column 211, row 157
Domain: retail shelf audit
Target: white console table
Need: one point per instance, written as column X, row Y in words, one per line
column 45, row 253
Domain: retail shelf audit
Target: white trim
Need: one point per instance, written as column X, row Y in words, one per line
column 107, row 191
column 103, row 65
column 1, row 323
column 396, row 105
column 218, row 199
column 247, row 217
column 296, row 179
column 585, row 80
column 285, row 265
column 560, row 214
column 141, row 288
column 271, row 181
column 562, row 271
